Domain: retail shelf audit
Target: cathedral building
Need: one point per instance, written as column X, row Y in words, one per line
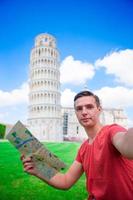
column 73, row 131
column 47, row 120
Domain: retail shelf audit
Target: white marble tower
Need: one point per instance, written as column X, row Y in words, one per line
column 44, row 110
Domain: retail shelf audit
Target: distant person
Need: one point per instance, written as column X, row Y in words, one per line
column 106, row 156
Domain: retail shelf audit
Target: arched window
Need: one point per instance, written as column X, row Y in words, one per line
column 48, row 62
column 39, row 52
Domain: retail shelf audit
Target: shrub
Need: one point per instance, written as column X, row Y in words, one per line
column 2, row 130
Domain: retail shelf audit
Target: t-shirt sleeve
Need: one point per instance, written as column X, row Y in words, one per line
column 115, row 129
column 81, row 151
column 78, row 157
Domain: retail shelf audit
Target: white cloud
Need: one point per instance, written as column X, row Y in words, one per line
column 3, row 115
column 14, row 97
column 120, row 64
column 130, row 123
column 118, row 97
column 75, row 72
column 12, row 114
column 67, row 97
column 13, row 104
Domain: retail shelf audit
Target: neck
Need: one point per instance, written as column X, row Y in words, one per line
column 93, row 131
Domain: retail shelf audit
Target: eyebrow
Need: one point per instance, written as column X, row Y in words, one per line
column 90, row 104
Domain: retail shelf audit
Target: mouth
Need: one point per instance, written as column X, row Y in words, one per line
column 85, row 119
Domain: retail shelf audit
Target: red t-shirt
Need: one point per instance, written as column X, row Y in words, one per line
column 109, row 175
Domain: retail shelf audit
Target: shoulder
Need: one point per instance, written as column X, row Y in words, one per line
column 113, row 129
column 108, row 132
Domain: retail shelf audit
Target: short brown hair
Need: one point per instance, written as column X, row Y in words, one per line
column 88, row 93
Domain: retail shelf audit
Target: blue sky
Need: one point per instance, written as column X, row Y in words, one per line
column 95, row 36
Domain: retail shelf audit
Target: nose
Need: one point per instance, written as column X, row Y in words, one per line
column 84, row 111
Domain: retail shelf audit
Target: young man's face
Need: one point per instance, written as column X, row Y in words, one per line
column 87, row 111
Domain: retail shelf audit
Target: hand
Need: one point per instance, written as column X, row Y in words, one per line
column 28, row 165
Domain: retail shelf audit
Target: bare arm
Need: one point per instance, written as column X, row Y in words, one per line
column 60, row 180
column 65, row 181
column 123, row 141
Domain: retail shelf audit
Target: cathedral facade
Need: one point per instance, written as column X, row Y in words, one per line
column 46, row 118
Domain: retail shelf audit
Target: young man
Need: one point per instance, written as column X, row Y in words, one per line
column 106, row 156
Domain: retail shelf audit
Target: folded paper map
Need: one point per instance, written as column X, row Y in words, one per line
column 45, row 162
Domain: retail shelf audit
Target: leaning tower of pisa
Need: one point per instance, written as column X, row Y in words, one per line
column 44, row 110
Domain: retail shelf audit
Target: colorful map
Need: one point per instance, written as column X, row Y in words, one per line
column 45, row 162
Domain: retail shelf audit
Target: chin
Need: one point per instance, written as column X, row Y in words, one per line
column 89, row 125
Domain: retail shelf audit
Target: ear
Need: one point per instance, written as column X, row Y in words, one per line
column 100, row 108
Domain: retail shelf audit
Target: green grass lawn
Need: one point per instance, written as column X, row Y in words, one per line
column 17, row 185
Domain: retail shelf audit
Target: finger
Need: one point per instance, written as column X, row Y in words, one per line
column 22, row 157
column 29, row 170
column 26, row 160
column 28, row 167
column 28, row 164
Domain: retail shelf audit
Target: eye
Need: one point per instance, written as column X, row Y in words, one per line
column 79, row 108
column 89, row 106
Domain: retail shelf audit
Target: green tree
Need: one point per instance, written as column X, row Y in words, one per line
column 2, row 130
